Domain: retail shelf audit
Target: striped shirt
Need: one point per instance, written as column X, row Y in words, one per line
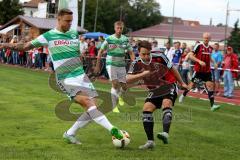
column 64, row 51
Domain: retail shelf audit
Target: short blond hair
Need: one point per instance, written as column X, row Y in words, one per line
column 119, row 23
column 64, row 11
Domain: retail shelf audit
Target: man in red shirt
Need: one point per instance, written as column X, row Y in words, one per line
column 201, row 55
column 230, row 63
column 156, row 72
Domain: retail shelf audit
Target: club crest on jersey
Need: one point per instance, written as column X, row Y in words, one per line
column 73, row 36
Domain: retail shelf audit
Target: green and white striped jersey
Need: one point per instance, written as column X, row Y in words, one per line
column 64, row 51
column 116, row 50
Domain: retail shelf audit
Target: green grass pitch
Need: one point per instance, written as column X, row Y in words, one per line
column 29, row 128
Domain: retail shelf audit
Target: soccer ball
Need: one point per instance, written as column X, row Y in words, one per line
column 121, row 143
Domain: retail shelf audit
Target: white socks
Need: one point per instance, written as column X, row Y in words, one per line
column 82, row 121
column 99, row 117
column 92, row 114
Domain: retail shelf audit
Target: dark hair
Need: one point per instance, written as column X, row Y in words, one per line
column 217, row 44
column 177, row 42
column 64, row 11
column 101, row 37
column 144, row 44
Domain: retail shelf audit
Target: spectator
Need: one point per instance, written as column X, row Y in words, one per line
column 34, row 57
column 103, row 59
column 217, row 58
column 44, row 57
column 38, row 58
column 1, row 56
column 155, row 48
column 230, row 63
column 83, row 51
column 177, row 55
column 29, row 59
column 83, row 45
column 135, row 47
column 21, row 58
column 185, row 63
column 169, row 52
column 8, row 55
column 100, row 42
column 184, row 46
column 15, row 55
column 92, row 52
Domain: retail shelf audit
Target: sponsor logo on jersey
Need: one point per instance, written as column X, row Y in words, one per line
column 206, row 53
column 113, row 46
column 66, row 42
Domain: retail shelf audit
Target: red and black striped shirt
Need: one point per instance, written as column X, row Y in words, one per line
column 159, row 63
column 203, row 53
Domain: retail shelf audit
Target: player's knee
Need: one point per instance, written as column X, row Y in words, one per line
column 84, row 101
column 148, row 107
column 209, row 85
column 115, row 85
column 167, row 103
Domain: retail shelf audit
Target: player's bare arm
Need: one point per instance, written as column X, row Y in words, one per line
column 133, row 78
column 193, row 58
column 18, row 46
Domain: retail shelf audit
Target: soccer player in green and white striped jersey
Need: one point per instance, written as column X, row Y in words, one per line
column 63, row 45
column 117, row 45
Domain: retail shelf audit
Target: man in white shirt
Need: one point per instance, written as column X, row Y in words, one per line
column 83, row 45
column 169, row 52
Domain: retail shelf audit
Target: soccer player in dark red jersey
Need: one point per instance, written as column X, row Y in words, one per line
column 201, row 55
column 156, row 72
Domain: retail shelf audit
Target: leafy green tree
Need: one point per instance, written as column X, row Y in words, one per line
column 9, row 9
column 234, row 39
column 136, row 14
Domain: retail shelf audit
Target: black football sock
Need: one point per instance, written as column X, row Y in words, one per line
column 185, row 92
column 148, row 124
column 167, row 118
column 211, row 97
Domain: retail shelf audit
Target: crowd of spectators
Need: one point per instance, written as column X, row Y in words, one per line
column 39, row 59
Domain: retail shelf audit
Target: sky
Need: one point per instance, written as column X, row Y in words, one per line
column 202, row 10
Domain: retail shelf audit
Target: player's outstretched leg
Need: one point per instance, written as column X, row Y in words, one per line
column 210, row 91
column 70, row 135
column 102, row 120
column 148, row 124
column 92, row 114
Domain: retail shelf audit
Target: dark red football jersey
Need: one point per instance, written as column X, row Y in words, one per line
column 203, row 53
column 159, row 65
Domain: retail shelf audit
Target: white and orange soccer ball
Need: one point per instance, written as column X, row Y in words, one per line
column 122, row 142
